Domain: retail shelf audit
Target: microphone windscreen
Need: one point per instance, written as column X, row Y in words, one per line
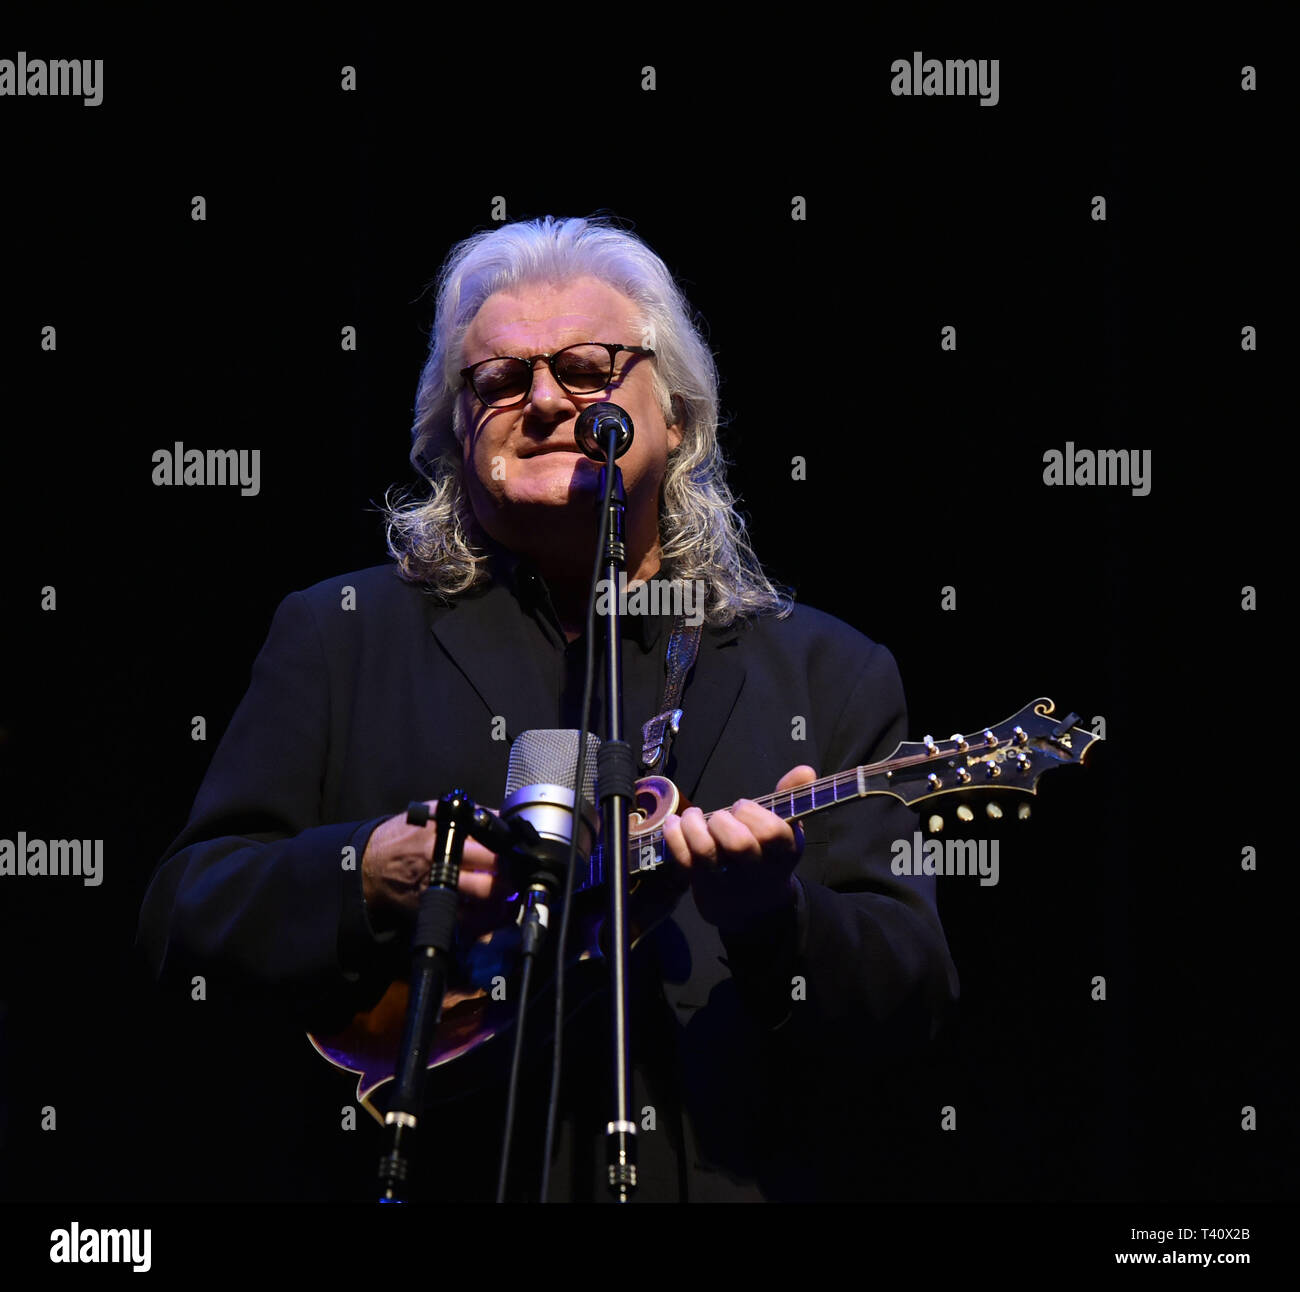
column 551, row 757
column 592, row 430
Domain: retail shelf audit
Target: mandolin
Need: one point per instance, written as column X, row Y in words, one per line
column 478, row 1005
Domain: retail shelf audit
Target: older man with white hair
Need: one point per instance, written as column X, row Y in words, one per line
column 792, row 966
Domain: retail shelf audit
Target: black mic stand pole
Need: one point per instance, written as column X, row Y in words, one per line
column 432, row 945
column 616, row 781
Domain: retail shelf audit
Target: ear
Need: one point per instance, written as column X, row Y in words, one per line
column 676, row 427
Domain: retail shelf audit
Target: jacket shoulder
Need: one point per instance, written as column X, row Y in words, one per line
column 377, row 593
column 809, row 632
column 354, row 607
column 376, row 584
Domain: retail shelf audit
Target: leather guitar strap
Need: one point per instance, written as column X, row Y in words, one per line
column 657, row 734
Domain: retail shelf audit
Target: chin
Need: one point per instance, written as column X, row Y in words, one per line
column 550, row 479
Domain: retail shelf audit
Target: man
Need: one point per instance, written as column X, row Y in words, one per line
column 793, row 967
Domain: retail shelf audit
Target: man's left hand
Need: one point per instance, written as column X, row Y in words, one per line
column 740, row 861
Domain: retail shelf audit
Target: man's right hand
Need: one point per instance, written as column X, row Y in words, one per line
column 396, row 864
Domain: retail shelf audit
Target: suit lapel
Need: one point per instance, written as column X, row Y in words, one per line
column 480, row 634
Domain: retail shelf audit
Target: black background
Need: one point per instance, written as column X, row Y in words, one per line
column 924, row 469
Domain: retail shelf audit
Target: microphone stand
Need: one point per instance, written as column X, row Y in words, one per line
column 616, row 781
column 432, row 950
column 432, row 945
column 535, row 920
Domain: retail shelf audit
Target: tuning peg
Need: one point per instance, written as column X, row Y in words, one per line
column 992, row 770
column 994, row 810
column 960, row 741
column 930, row 747
column 1022, row 762
column 965, row 814
column 935, row 824
column 1023, row 812
column 1021, row 738
column 989, row 738
column 963, row 776
column 933, row 781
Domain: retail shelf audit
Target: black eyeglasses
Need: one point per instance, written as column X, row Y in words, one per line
column 583, row 369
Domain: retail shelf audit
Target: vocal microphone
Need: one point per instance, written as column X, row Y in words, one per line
column 593, row 430
column 539, row 792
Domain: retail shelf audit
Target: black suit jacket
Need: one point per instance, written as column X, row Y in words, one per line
column 362, row 700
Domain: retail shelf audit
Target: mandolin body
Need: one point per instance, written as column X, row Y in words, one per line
column 482, row 996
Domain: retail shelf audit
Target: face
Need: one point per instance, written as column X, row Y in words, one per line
column 531, row 488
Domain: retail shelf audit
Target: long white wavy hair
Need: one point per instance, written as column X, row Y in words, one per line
column 435, row 538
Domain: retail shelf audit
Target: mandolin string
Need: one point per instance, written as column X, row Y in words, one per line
column 834, row 781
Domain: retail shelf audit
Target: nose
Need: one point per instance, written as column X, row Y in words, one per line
column 547, row 396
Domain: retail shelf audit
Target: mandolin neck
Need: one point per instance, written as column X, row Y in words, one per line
column 1011, row 756
column 647, row 850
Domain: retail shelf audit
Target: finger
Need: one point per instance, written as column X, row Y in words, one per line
column 475, row 855
column 795, row 777
column 477, row 883
column 695, row 830
column 766, row 827
column 675, row 841
column 735, row 840
column 675, row 853
column 478, row 857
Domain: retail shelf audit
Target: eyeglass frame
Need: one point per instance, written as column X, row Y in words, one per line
column 614, row 351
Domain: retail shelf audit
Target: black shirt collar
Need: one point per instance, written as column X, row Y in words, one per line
column 526, row 584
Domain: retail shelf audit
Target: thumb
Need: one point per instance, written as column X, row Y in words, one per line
column 795, row 777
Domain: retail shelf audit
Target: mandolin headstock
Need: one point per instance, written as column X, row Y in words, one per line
column 1009, row 756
